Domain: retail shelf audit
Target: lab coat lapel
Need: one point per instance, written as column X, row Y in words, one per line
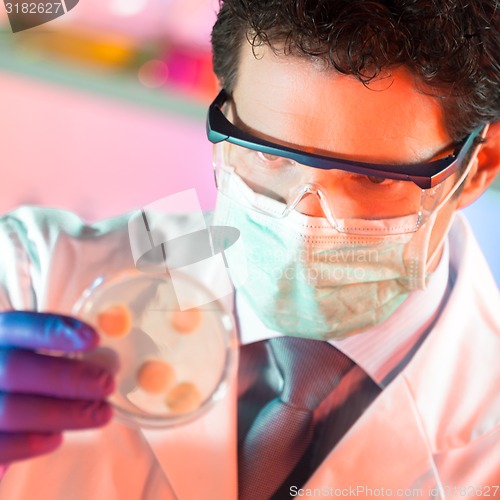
column 385, row 448
column 423, row 412
column 200, row 458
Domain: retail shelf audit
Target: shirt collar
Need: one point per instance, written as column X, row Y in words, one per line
column 384, row 350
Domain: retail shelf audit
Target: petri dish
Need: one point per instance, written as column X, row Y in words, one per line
column 170, row 364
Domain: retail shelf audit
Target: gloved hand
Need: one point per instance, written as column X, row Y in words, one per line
column 42, row 395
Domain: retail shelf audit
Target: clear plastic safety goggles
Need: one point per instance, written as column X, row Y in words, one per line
column 351, row 194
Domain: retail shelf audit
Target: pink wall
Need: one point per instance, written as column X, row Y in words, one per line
column 94, row 155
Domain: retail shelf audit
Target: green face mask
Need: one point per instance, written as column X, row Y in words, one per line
column 304, row 278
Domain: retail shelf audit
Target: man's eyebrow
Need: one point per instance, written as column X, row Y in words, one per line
column 237, row 121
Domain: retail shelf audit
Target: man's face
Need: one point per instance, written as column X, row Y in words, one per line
column 298, row 102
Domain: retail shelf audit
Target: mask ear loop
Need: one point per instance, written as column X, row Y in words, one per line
column 465, row 173
column 443, row 202
column 418, row 267
column 415, row 255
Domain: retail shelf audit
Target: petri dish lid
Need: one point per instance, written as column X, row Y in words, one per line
column 170, row 364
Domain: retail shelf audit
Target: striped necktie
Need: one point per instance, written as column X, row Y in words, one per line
column 283, row 430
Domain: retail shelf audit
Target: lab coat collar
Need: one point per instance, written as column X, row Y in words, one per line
column 380, row 451
column 435, row 398
column 461, row 353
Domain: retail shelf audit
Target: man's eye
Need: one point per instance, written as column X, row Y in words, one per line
column 272, row 162
column 372, row 181
column 266, row 157
column 378, row 180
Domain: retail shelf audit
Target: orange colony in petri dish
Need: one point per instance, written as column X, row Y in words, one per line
column 155, row 376
column 115, row 321
column 183, row 398
column 186, row 321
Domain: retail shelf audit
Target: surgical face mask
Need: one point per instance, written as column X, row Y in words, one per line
column 304, row 278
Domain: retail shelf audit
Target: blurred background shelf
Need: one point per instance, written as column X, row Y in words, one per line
column 29, row 55
column 102, row 110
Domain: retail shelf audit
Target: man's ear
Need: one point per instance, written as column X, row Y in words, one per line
column 485, row 168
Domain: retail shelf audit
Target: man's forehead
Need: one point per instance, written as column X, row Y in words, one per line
column 300, row 101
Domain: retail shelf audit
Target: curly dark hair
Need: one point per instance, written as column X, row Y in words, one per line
column 453, row 47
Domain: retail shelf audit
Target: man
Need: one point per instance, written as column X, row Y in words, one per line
column 347, row 136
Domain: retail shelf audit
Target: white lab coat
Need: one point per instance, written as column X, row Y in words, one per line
column 434, row 429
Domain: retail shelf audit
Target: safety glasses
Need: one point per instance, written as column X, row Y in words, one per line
column 424, row 175
column 353, row 195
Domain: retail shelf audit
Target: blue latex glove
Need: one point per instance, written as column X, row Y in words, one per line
column 41, row 395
